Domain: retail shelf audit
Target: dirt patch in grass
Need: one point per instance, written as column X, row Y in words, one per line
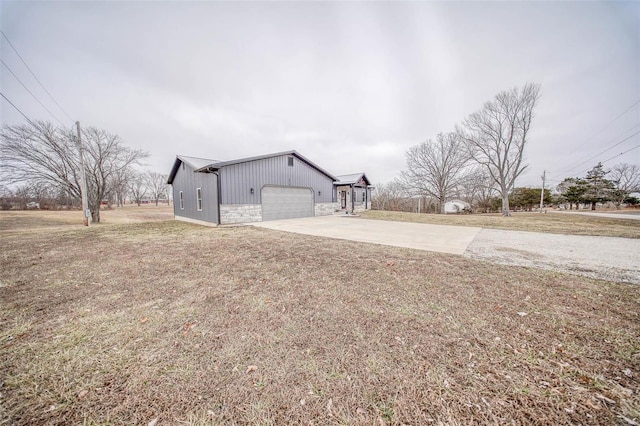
column 534, row 222
column 124, row 324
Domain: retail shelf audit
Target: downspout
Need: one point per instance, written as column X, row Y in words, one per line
column 219, row 195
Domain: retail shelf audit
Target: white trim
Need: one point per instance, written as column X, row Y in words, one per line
column 195, row 221
column 199, row 199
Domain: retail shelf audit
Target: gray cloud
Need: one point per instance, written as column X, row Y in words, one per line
column 350, row 85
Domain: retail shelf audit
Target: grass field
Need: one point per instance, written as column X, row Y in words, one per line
column 135, row 321
column 535, row 222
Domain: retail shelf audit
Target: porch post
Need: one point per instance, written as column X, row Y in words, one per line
column 353, row 204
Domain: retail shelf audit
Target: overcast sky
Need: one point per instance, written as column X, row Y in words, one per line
column 351, row 85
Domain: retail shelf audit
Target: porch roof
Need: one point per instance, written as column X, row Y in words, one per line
column 351, row 179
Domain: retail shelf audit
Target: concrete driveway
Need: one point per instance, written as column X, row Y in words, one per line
column 613, row 259
column 421, row 236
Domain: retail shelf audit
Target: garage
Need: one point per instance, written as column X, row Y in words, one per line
column 286, row 202
column 284, row 185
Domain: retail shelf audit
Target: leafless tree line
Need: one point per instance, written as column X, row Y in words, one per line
column 41, row 159
column 474, row 186
column 481, row 158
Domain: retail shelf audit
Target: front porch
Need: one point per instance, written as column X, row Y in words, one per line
column 353, row 192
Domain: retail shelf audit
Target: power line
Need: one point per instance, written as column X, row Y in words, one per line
column 30, row 92
column 17, row 109
column 565, row 170
column 622, row 153
column 602, row 152
column 615, row 156
column 34, row 75
column 612, row 121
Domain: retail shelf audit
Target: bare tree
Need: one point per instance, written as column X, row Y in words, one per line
column 157, row 184
column 40, row 152
column 137, row 185
column 390, row 196
column 477, row 188
column 497, row 134
column 119, row 185
column 107, row 155
column 626, row 178
column 434, row 168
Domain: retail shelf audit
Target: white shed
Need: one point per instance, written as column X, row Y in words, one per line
column 456, row 206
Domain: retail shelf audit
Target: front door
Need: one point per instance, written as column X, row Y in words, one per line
column 343, row 199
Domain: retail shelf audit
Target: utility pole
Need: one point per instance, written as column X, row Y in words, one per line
column 83, row 180
column 544, row 177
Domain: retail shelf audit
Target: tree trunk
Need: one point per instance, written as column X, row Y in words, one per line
column 593, row 205
column 505, row 204
column 95, row 212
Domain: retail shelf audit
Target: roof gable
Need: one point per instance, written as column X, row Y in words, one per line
column 195, row 163
column 352, row 179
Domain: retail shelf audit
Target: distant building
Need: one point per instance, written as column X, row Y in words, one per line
column 456, row 206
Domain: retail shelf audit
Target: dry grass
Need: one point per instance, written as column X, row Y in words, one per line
column 46, row 220
column 535, row 222
column 123, row 324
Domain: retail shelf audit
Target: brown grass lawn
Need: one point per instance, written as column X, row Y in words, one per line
column 46, row 220
column 550, row 223
column 129, row 323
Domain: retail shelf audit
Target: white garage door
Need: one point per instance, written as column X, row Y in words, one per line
column 285, row 202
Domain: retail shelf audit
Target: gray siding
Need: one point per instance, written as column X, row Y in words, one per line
column 237, row 179
column 187, row 181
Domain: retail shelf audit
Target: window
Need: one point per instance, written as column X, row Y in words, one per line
column 364, row 195
column 199, row 199
column 181, row 201
column 290, row 161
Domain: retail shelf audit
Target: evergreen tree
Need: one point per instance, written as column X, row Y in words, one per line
column 599, row 188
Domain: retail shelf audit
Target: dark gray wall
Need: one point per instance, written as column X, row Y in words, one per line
column 237, row 179
column 187, row 181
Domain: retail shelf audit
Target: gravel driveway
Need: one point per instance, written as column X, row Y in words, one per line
column 609, row 258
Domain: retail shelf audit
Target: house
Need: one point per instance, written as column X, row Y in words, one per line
column 283, row 185
column 353, row 192
column 456, row 206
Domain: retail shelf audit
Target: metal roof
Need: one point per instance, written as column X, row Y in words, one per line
column 196, row 162
column 220, row 164
column 203, row 164
column 351, row 179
